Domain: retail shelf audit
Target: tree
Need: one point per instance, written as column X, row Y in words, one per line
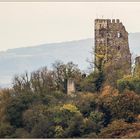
column 63, row 72
column 119, row 129
column 86, row 103
column 6, row 130
column 43, row 129
column 5, row 98
column 32, row 116
column 107, row 62
column 16, row 106
column 129, row 83
column 75, row 128
column 123, row 106
column 42, row 81
column 99, row 71
column 21, row 83
column 98, row 120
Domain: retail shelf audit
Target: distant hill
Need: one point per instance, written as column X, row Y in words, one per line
column 19, row 60
column 134, row 43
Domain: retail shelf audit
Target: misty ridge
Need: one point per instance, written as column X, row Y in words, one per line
column 19, row 60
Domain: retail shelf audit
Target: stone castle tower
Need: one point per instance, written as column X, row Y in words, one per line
column 70, row 86
column 111, row 41
column 137, row 66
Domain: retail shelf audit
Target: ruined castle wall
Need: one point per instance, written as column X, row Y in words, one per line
column 137, row 66
column 70, row 86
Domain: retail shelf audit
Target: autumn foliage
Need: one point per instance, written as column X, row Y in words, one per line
column 37, row 106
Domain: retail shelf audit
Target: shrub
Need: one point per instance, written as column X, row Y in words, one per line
column 75, row 127
column 129, row 83
column 118, row 129
column 86, row 103
column 43, row 129
column 17, row 106
column 93, row 82
column 33, row 115
column 123, row 106
column 98, row 120
column 6, row 130
column 21, row 133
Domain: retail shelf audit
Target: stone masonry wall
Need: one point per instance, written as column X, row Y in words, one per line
column 111, row 40
column 70, row 86
column 137, row 66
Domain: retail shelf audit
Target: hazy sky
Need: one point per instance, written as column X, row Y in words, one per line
column 26, row 24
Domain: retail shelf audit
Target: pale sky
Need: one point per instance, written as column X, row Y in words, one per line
column 28, row 23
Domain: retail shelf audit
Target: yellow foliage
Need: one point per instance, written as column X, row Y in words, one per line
column 59, row 131
column 100, row 56
column 127, row 77
column 69, row 107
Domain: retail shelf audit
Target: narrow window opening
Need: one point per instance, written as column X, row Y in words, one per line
column 118, row 47
column 118, row 35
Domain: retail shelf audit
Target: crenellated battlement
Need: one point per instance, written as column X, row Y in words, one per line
column 107, row 20
column 105, row 23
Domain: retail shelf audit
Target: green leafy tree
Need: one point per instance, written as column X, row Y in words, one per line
column 129, row 83
column 43, row 129
column 98, row 120
column 16, row 106
column 86, row 103
column 75, row 128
